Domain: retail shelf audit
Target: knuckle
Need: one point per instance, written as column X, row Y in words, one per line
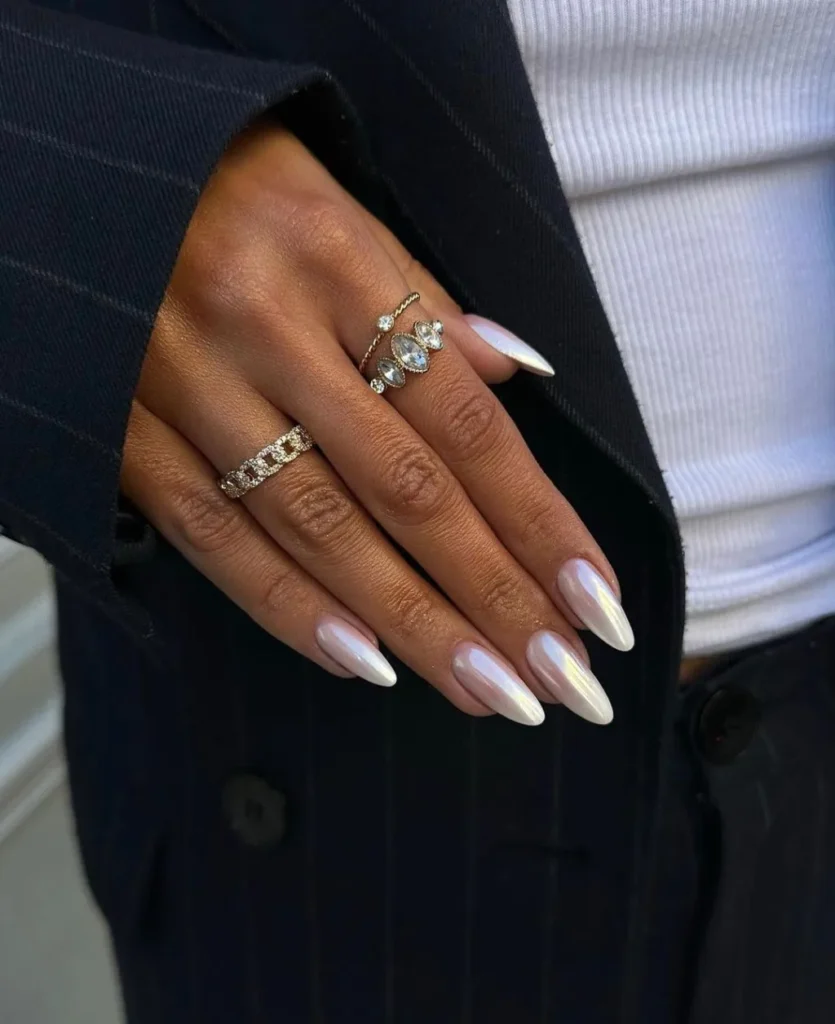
column 279, row 591
column 205, row 520
column 415, row 485
column 327, row 232
column 538, row 527
column 501, row 593
column 471, row 424
column 233, row 280
column 411, row 614
column 317, row 514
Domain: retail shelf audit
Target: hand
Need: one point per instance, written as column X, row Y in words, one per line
column 272, row 303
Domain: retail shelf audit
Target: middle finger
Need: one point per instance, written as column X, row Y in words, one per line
column 415, row 497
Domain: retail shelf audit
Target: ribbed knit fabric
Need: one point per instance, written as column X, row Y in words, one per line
column 694, row 140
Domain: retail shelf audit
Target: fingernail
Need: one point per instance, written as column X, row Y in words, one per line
column 567, row 678
column 353, row 651
column 509, row 345
column 488, row 679
column 594, row 603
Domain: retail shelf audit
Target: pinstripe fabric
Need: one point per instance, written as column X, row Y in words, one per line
column 764, row 953
column 471, row 875
column 438, row 869
column 389, row 1003
column 67, row 286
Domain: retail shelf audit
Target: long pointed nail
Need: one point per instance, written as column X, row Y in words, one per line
column 489, row 680
column 509, row 345
column 353, row 651
column 567, row 678
column 594, row 603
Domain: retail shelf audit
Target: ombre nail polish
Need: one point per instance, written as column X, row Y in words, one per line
column 495, row 684
column 353, row 651
column 567, row 678
column 594, row 603
column 509, row 345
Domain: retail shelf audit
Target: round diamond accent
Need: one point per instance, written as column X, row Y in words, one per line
column 409, row 352
column 378, row 385
column 391, row 373
column 427, row 335
column 385, row 323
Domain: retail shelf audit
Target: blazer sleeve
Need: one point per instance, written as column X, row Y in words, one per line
column 106, row 140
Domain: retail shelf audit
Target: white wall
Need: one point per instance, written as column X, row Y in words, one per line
column 54, row 959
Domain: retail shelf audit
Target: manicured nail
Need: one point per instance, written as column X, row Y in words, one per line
column 509, row 345
column 490, row 680
column 594, row 603
column 353, row 651
column 567, row 678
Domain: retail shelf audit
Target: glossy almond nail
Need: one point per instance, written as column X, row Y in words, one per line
column 567, row 678
column 509, row 345
column 492, row 682
column 594, row 603
column 353, row 651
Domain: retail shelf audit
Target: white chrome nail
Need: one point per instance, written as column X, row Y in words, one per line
column 353, row 651
column 567, row 678
column 492, row 682
column 594, row 603
column 509, row 345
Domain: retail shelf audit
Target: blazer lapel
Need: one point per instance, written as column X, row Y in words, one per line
column 445, row 102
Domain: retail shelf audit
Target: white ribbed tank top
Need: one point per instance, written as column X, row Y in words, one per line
column 695, row 142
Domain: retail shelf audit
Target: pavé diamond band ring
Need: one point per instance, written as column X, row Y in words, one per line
column 266, row 463
column 409, row 352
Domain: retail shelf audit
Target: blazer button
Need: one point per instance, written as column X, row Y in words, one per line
column 727, row 723
column 254, row 811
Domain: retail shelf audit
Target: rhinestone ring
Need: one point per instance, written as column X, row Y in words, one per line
column 409, row 353
column 384, row 324
column 266, row 463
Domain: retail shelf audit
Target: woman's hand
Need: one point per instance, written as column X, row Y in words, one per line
column 273, row 301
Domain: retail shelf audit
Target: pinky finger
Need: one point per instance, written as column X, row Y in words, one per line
column 175, row 487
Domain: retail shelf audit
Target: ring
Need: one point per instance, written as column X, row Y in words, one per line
column 409, row 352
column 385, row 324
column 266, row 463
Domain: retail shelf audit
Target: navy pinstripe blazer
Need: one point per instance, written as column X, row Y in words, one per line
column 318, row 852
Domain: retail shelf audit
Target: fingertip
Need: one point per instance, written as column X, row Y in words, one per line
column 502, row 341
column 492, row 365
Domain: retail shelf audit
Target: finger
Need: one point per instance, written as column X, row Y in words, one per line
column 309, row 513
column 176, row 488
column 463, row 421
column 466, row 425
column 494, row 352
column 420, row 504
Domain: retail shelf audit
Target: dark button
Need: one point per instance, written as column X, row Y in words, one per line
column 255, row 811
column 727, row 723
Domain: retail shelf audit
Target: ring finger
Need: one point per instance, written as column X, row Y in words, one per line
column 309, row 512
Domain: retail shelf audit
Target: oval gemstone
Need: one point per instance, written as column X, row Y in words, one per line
column 428, row 335
column 410, row 353
column 391, row 373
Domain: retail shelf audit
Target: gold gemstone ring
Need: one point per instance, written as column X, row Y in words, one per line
column 386, row 323
column 409, row 354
